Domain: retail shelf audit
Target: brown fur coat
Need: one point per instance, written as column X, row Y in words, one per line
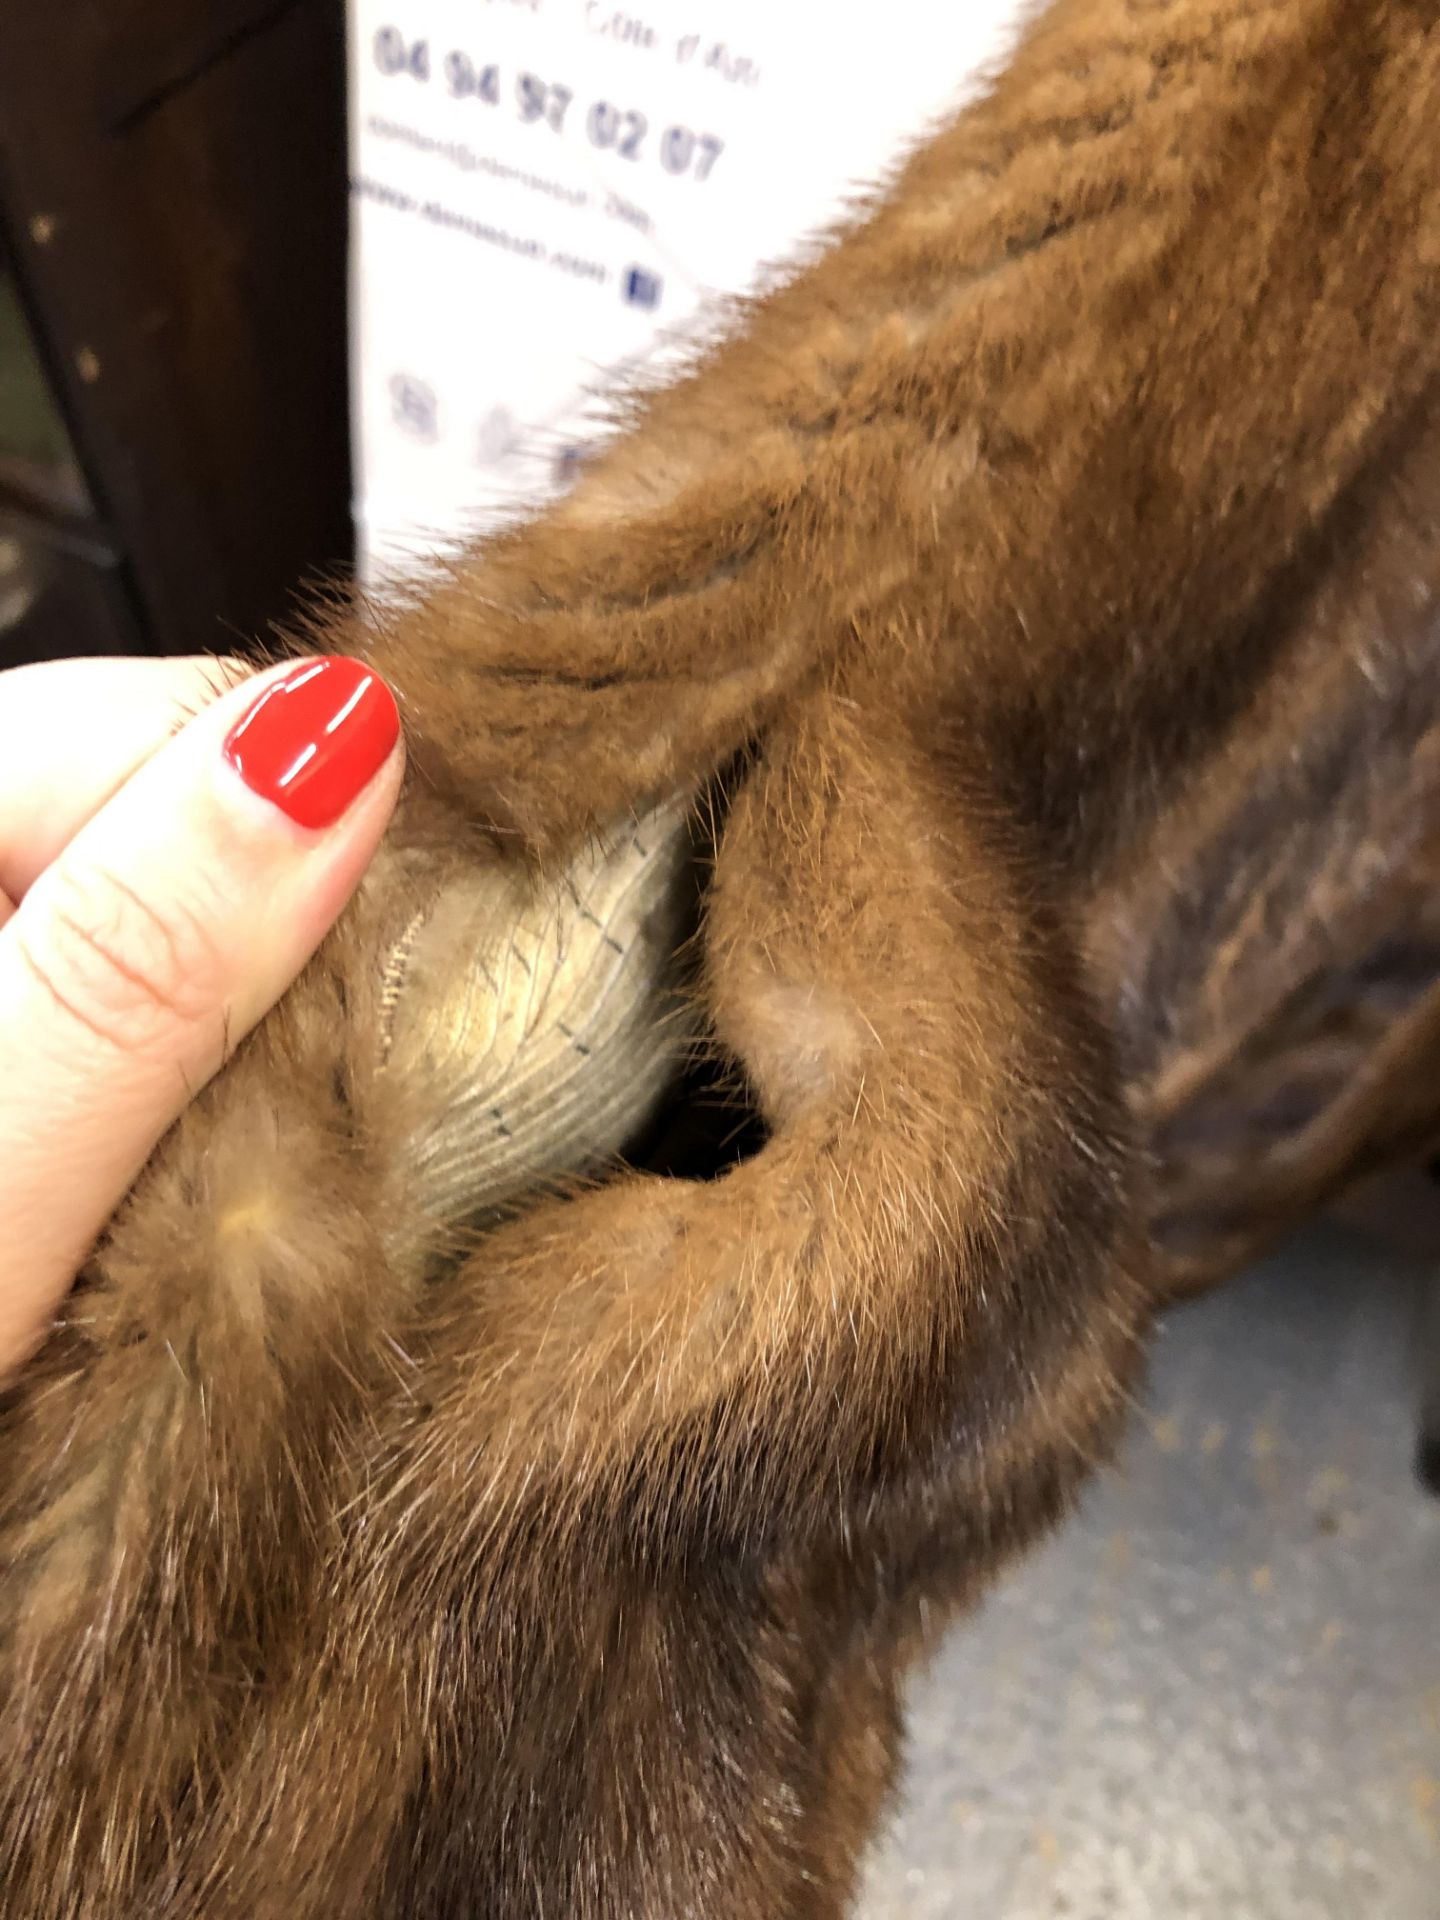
column 1039, row 591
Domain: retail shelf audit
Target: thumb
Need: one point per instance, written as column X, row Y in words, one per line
column 164, row 930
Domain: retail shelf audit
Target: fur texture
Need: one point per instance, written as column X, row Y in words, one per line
column 1038, row 592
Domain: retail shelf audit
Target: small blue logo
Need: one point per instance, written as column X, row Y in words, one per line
column 415, row 407
column 641, row 287
column 567, row 464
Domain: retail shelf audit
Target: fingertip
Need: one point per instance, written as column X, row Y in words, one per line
column 315, row 739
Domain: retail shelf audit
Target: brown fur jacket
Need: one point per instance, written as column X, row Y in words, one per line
column 1038, row 594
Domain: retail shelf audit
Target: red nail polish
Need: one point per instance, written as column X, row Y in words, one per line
column 315, row 739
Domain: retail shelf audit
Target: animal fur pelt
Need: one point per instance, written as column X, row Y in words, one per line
column 1035, row 599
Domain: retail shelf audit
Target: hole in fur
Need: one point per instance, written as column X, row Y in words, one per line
column 706, row 1124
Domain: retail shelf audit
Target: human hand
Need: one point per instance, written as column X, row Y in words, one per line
column 163, row 878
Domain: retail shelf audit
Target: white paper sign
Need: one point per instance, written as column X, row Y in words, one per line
column 547, row 191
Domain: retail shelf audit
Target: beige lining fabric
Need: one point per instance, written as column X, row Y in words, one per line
column 537, row 1028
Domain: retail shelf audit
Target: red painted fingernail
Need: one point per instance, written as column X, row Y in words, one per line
column 314, row 741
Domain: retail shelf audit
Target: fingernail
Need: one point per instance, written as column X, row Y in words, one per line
column 315, row 740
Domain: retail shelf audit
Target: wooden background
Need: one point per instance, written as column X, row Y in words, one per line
column 173, row 230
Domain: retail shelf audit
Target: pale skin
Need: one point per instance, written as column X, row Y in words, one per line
column 152, row 910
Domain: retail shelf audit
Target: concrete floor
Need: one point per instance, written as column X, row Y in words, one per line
column 1217, row 1692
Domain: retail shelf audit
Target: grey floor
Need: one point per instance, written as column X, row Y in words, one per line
column 1217, row 1692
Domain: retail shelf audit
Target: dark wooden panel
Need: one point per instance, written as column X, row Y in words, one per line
column 173, row 182
column 156, row 48
column 248, row 238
